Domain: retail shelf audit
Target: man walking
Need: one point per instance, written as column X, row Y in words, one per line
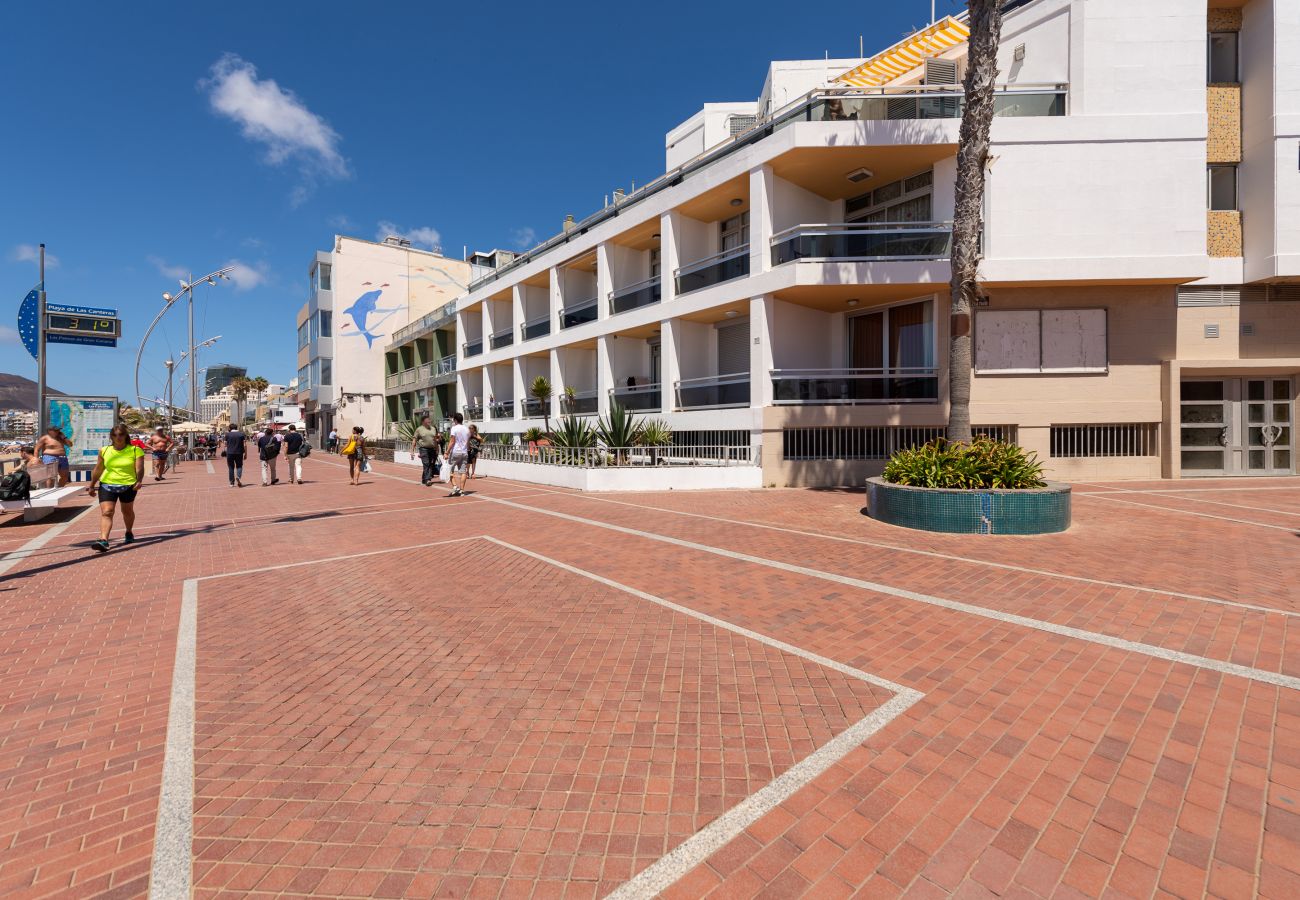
column 292, row 444
column 236, row 447
column 332, row 445
column 428, row 441
column 159, row 446
column 52, row 448
column 458, row 455
column 268, row 450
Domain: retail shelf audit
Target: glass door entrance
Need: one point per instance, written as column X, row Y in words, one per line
column 1236, row 426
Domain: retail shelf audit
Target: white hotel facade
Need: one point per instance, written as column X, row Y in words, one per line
column 784, row 285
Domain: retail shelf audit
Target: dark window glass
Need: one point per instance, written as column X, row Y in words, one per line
column 1223, row 187
column 1223, row 57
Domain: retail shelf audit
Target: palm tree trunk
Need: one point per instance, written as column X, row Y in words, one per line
column 968, row 211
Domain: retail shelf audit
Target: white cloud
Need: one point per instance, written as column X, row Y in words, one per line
column 277, row 118
column 426, row 237
column 524, row 238
column 9, row 335
column 32, row 254
column 168, row 271
column 340, row 221
column 245, row 277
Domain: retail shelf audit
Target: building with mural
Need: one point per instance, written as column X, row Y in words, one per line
column 359, row 294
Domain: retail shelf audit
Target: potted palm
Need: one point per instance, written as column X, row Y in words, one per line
column 541, row 391
column 655, row 433
column 533, row 437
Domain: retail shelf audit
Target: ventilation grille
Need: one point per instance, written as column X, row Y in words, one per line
column 1089, row 441
column 1236, row 294
column 870, row 442
column 1212, row 329
column 1248, row 329
column 739, row 124
column 940, row 71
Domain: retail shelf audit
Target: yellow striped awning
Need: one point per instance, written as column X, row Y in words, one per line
column 907, row 54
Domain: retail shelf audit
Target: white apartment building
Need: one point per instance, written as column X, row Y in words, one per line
column 360, row 293
column 788, row 286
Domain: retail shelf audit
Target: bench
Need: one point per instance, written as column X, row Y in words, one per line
column 46, row 496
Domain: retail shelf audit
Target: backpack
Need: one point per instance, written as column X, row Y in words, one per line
column 16, row 486
column 271, row 449
column 305, row 450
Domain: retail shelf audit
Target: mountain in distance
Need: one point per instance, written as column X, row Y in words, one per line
column 17, row 392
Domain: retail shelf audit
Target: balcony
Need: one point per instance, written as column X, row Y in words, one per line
column 408, row 376
column 635, row 296
column 501, row 409
column 446, row 366
column 582, row 403
column 530, row 408
column 535, row 328
column 641, row 398
column 503, row 338
column 863, row 241
column 474, row 413
column 473, row 348
column 580, row 313
column 713, row 270
column 713, row 392
column 795, row 387
column 932, row 102
column 394, row 380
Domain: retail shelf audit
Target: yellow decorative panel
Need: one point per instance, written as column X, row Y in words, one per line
column 1223, row 232
column 1223, row 138
column 1223, row 20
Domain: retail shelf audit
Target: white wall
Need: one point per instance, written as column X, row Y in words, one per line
column 1044, row 29
column 696, row 348
column 577, row 368
column 629, row 356
column 792, row 205
column 789, row 79
column 801, row 337
column 702, row 131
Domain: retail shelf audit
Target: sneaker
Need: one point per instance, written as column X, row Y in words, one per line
column 100, row 546
column 130, row 538
column 238, row 483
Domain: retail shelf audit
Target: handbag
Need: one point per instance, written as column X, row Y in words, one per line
column 365, row 464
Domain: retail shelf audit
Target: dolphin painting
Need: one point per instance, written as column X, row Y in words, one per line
column 360, row 311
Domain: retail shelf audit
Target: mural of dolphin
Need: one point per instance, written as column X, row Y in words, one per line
column 361, row 310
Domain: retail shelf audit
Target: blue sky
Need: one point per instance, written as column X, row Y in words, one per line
column 145, row 140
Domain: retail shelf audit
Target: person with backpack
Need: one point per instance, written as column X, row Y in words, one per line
column 268, row 450
column 355, row 451
column 475, row 445
column 295, row 448
column 236, row 447
column 119, row 471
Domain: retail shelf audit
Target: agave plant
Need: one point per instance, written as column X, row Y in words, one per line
column 505, row 439
column 541, row 391
column 574, row 437
column 655, row 433
column 618, row 430
column 406, row 430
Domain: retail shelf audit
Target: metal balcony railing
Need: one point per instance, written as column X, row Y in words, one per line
column 473, row 348
column 852, row 386
column 713, row 270
column 863, row 241
column 532, row 408
column 641, row 398
column 582, row 403
column 579, row 313
column 503, row 338
column 713, row 392
column 635, row 296
column 474, row 413
column 535, row 328
column 446, row 365
column 501, row 409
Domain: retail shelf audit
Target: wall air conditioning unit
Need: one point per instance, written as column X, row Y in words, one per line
column 857, row 176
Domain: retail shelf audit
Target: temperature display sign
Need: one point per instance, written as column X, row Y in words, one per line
column 63, row 323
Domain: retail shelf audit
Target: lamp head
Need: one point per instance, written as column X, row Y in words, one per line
column 167, row 297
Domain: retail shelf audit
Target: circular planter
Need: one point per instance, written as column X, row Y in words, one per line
column 1031, row 511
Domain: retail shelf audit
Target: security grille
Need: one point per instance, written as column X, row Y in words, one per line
column 711, row 443
column 871, row 442
column 739, row 124
column 1089, row 441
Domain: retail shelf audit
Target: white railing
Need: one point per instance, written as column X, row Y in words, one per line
column 713, row 391
column 408, row 376
column 392, row 381
column 623, row 457
column 447, row 365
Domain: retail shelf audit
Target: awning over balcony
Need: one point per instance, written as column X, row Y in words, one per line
column 907, row 54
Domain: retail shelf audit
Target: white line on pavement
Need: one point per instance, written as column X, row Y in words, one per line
column 1191, row 512
column 1105, row 640
column 15, row 557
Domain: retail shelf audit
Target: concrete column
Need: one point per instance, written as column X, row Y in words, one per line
column 604, row 372
column 459, row 399
column 459, row 337
column 489, row 391
column 517, row 311
column 521, row 385
column 761, row 219
column 762, row 326
column 489, row 326
column 669, row 254
column 556, row 298
column 604, row 279
column 670, row 370
column 557, row 378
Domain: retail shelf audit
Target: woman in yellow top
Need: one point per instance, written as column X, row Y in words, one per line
column 117, row 476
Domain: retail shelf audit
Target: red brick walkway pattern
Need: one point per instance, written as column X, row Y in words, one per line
column 468, row 720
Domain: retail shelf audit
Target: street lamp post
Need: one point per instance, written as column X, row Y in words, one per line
column 171, row 367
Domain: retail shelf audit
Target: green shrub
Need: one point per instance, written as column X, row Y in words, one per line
column 533, row 435
column 983, row 463
column 573, row 434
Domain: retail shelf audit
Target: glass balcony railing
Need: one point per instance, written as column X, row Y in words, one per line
column 713, row 392
column 532, row 408
column 933, row 102
column 473, row 348
column 502, row 338
column 474, row 413
column 851, row 386
column 446, row 365
column 635, row 296
column 641, row 398
column 579, row 313
column 713, row 270
column 863, row 241
column 501, row 409
column 581, row 403
column 535, row 328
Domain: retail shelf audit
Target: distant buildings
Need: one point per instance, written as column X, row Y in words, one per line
column 217, row 377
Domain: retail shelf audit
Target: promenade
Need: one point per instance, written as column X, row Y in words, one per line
column 380, row 691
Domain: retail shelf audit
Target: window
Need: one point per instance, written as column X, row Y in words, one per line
column 905, row 200
column 1221, row 187
column 326, row 323
column 326, row 371
column 304, row 335
column 325, row 277
column 655, row 259
column 733, row 232
column 304, row 378
column 1018, row 341
column 1222, row 62
column 897, row 337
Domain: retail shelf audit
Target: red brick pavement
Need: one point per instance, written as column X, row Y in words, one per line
column 352, row 716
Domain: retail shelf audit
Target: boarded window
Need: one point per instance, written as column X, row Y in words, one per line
column 1048, row 340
